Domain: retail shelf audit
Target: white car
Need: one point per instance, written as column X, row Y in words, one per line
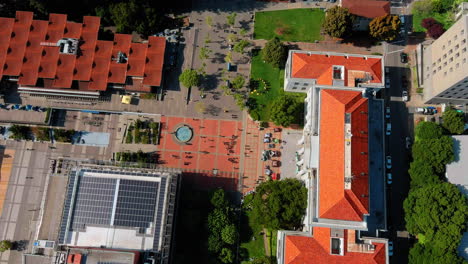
column 389, row 178
column 408, row 142
column 388, row 131
column 387, row 112
column 404, row 96
column 390, row 248
column 389, row 162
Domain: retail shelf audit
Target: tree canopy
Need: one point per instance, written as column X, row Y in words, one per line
column 385, row 27
column 241, row 45
column 286, row 110
column 338, row 22
column 422, row 174
column 189, row 78
column 453, row 121
column 439, row 212
column 280, row 204
column 5, row 245
column 425, row 253
column 274, row 53
column 238, row 82
column 428, row 130
column 437, row 152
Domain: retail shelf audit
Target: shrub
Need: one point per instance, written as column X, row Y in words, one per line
column 435, row 31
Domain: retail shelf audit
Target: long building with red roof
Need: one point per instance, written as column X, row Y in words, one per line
column 346, row 189
column 60, row 57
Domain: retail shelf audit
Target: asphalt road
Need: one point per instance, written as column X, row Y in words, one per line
column 396, row 148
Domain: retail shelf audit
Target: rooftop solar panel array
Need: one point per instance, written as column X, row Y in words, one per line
column 159, row 215
column 94, row 202
column 136, row 203
column 66, row 208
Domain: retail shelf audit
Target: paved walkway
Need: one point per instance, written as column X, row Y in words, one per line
column 254, row 167
column 6, row 164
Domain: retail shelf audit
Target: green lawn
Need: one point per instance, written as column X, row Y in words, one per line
column 443, row 18
column 251, row 240
column 301, row 25
column 275, row 79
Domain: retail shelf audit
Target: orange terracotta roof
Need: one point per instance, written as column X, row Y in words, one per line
column 319, row 67
column 155, row 60
column 367, row 8
column 28, row 50
column 334, row 201
column 316, row 249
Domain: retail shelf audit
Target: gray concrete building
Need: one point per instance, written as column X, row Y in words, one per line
column 443, row 72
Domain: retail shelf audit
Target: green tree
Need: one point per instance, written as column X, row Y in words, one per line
column 189, row 78
column 424, row 8
column 232, row 38
column 218, row 199
column 229, row 234
column 226, row 255
column 439, row 212
column 217, row 220
column 437, row 152
column 20, row 132
column 231, row 19
column 428, row 130
column 228, row 57
column 215, row 243
column 241, row 45
column 204, row 53
column 422, row 174
column 238, row 82
column 422, row 254
column 338, row 22
column 453, row 121
column 274, row 53
column 385, row 27
column 124, row 15
column 209, row 21
column 280, row 204
column 286, row 110
column 5, row 245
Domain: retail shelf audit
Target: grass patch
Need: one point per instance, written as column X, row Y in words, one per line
column 251, row 240
column 443, row 18
column 290, row 25
column 274, row 78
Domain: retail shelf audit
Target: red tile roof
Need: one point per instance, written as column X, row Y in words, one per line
column 316, row 249
column 334, row 201
column 320, row 67
column 28, row 50
column 367, row 8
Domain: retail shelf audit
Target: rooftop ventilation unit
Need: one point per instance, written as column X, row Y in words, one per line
column 121, row 58
column 68, row 46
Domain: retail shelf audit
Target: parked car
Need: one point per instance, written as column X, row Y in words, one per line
column 265, row 155
column 273, row 153
column 266, row 140
column 404, row 82
column 404, row 96
column 387, row 112
column 388, row 131
column 271, row 145
column 390, row 248
column 426, row 110
column 389, row 162
column 268, row 135
column 389, row 178
column 408, row 142
column 275, row 163
column 403, row 57
column 277, row 129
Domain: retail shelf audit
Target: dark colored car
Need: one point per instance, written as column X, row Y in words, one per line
column 403, row 57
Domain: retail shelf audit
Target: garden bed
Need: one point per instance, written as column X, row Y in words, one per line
column 143, row 132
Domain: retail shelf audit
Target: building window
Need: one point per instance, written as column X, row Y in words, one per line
column 294, row 88
column 451, row 59
column 457, row 54
column 457, row 46
column 438, row 68
column 456, row 37
column 462, row 32
column 457, row 65
column 445, row 64
column 464, row 60
column 303, row 88
column 336, row 246
column 438, row 60
column 450, row 51
column 450, row 42
column 433, row 72
column 451, row 69
column 464, row 50
column 296, row 83
column 306, row 84
column 464, row 41
column 445, row 56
